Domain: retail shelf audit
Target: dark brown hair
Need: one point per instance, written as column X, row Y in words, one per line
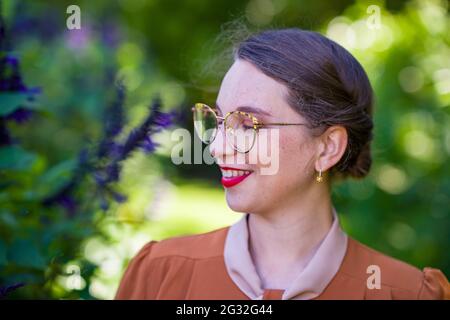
column 326, row 85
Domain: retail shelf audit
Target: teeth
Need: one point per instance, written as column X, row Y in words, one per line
column 234, row 173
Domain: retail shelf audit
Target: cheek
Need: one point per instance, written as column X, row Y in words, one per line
column 295, row 155
column 262, row 191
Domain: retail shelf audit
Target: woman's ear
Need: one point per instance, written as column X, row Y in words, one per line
column 332, row 146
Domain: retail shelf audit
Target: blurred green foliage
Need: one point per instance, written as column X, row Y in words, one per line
column 172, row 48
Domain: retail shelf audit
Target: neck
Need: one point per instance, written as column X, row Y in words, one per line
column 282, row 240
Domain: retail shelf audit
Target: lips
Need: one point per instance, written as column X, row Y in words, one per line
column 239, row 175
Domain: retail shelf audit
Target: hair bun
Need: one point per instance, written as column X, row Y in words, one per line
column 361, row 167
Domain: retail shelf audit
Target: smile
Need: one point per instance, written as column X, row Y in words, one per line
column 233, row 176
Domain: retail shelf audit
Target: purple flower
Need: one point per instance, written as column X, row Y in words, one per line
column 99, row 178
column 110, row 34
column 114, row 120
column 140, row 137
column 177, row 116
column 65, row 196
column 12, row 61
column 115, row 115
column 78, row 38
column 11, row 79
column 113, row 172
column 163, row 120
column 21, row 115
column 106, row 147
column 148, row 145
column 5, row 290
column 104, row 163
column 5, row 138
column 117, row 196
column 68, row 203
column 46, row 26
column 83, row 156
column 104, row 205
column 33, row 92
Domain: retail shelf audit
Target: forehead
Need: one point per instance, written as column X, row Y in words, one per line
column 246, row 85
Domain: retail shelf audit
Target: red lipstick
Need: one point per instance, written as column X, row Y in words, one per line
column 229, row 182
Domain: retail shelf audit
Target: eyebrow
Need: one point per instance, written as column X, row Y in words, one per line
column 248, row 109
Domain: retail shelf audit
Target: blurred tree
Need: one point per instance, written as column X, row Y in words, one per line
column 47, row 210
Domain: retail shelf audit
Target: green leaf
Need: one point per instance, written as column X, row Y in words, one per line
column 8, row 219
column 56, row 177
column 25, row 253
column 16, row 158
column 11, row 101
column 3, row 260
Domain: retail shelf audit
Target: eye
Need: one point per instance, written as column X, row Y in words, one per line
column 247, row 123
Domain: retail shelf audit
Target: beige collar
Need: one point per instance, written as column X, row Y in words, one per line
column 310, row 281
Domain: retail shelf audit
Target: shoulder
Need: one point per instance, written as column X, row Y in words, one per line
column 394, row 272
column 173, row 257
column 403, row 280
column 197, row 246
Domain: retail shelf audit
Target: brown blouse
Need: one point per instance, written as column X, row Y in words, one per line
column 193, row 267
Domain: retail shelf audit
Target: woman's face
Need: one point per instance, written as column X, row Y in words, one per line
column 294, row 149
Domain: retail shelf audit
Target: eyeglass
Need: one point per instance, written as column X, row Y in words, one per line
column 241, row 127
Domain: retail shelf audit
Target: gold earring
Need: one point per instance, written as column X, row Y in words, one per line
column 319, row 178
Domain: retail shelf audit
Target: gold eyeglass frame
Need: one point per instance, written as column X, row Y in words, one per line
column 256, row 123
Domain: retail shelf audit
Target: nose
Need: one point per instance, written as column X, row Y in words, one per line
column 220, row 147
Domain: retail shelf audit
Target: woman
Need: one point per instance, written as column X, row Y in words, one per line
column 315, row 100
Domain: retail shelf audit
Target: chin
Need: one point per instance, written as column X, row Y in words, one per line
column 238, row 202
